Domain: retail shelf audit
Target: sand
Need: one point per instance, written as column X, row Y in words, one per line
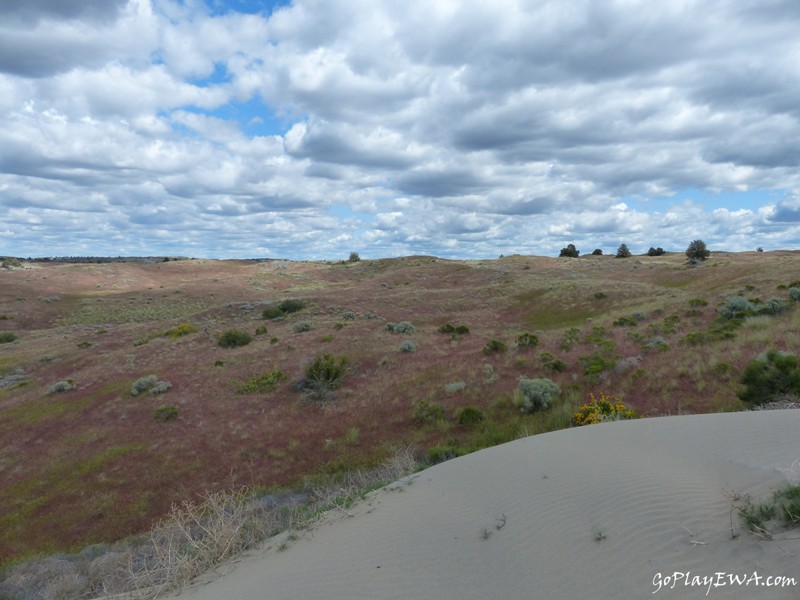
column 633, row 509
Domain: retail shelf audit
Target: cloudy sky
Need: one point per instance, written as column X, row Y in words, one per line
column 463, row 129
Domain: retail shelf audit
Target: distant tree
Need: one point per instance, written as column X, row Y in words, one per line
column 597, row 252
column 354, row 257
column 697, row 251
column 655, row 251
column 759, row 249
column 570, row 251
column 623, row 252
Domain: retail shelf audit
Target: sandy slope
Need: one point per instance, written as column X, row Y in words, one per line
column 657, row 490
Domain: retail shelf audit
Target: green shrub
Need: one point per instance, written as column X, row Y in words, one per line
column 261, row 330
column 166, row 413
column 551, row 363
column 527, row 341
column 736, row 307
column 439, row 454
column 771, row 376
column 599, row 296
column 234, row 338
column 772, row 307
column 181, row 330
column 161, row 387
column 570, row 338
column 349, row 315
column 302, row 326
column 262, row 383
column 354, row 257
column 291, row 306
column 271, row 312
column 84, row 345
column 494, row 347
column 596, row 363
column 454, row 387
column 219, row 363
column 6, row 337
column 469, row 416
column 327, row 370
column 401, row 327
column 597, row 252
column 143, row 384
column 794, row 294
column 427, row 412
column 407, row 346
column 698, row 302
column 623, row 252
column 535, row 394
column 62, row 386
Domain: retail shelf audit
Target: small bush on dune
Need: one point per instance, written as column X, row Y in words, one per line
column 600, row 410
column 181, row 330
column 736, row 307
column 62, row 386
column 143, row 384
column 302, row 326
column 262, row 383
column 551, row 363
column 535, row 394
column 234, row 338
column 324, row 375
column 271, row 312
column 407, row 346
column 291, row 306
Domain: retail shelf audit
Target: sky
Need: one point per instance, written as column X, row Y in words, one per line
column 310, row 129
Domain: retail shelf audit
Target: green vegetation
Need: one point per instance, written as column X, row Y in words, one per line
column 623, row 252
column 262, row 383
column 526, row 341
column 407, row 346
column 535, row 394
column 291, row 305
column 302, row 326
column 164, row 414
column 551, row 363
column 469, row 416
column 401, row 327
column 233, row 338
column 6, row 337
column 606, row 408
column 150, row 385
column 427, row 412
column 570, row 251
column 772, row 376
column 324, row 375
column 354, row 257
column 181, row 330
column 454, row 330
column 697, row 251
column 494, row 347
column 783, row 509
column 62, row 386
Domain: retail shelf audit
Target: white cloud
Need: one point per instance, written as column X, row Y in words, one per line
column 459, row 128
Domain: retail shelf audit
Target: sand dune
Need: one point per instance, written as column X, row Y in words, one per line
column 604, row 511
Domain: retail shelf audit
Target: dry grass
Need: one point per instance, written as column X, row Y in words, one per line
column 193, row 538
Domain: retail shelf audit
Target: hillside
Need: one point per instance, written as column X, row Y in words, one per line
column 93, row 464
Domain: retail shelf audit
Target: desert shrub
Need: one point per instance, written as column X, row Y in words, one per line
column 623, row 252
column 407, row 346
column 600, row 410
column 166, row 413
column 570, row 338
column 302, row 326
column 427, row 412
column 219, row 363
column 262, row 383
column 794, row 294
column 596, row 363
column 3, row 317
column 771, row 376
column 535, row 394
column 772, row 307
column 736, row 307
column 655, row 343
column 271, row 312
column 697, row 251
column 784, row 507
column 570, row 251
column 181, row 330
column 349, row 315
column 527, row 341
column 143, row 384
column 261, row 330
column 455, row 387
column 551, row 363
column 161, row 387
column 469, row 416
column 62, row 386
column 439, row 454
column 494, row 347
column 401, row 327
column 698, row 302
column 6, row 337
column 291, row 306
column 599, row 296
column 324, row 374
column 453, row 329
column 625, row 322
column 234, row 338
column 84, row 345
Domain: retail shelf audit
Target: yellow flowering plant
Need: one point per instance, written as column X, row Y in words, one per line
column 600, row 410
